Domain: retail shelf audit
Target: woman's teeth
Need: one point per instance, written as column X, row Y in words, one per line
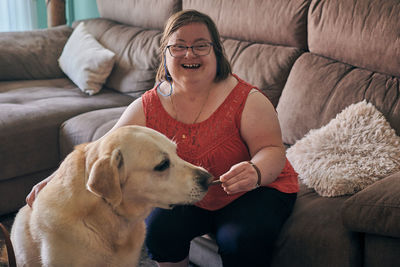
column 191, row 66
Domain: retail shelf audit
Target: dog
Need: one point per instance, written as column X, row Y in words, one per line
column 92, row 211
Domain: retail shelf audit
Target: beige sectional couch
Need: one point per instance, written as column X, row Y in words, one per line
column 312, row 58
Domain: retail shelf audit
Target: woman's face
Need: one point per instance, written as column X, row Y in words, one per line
column 191, row 68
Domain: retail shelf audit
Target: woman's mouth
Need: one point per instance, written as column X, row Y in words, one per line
column 191, row 66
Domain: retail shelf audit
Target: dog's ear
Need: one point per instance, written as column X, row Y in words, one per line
column 104, row 180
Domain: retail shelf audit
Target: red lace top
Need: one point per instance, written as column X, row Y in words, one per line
column 215, row 144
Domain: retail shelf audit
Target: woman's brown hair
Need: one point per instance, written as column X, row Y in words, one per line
column 186, row 17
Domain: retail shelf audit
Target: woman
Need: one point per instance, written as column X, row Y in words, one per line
column 228, row 127
column 220, row 123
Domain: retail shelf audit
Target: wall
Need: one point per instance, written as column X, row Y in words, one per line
column 41, row 14
column 81, row 9
column 75, row 10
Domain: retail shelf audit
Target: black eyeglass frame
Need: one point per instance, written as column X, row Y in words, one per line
column 192, row 47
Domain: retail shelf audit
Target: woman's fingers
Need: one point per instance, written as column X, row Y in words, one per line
column 241, row 177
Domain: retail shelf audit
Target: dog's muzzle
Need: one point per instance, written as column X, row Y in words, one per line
column 203, row 178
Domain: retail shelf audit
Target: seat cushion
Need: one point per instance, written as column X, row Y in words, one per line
column 87, row 127
column 314, row 234
column 31, row 115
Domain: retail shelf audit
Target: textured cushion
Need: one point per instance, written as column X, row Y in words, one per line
column 31, row 115
column 361, row 33
column 85, row 61
column 352, row 151
column 281, row 22
column 376, row 209
column 319, row 88
column 32, row 54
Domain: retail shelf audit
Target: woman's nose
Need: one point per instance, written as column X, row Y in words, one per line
column 190, row 50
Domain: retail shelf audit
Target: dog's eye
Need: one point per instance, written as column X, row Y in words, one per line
column 162, row 166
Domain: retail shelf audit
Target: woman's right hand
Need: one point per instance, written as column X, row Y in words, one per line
column 36, row 189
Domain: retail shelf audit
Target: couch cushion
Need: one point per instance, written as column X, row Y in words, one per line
column 314, row 234
column 136, row 52
column 262, row 65
column 86, row 62
column 361, row 33
column 150, row 14
column 14, row 191
column 284, row 22
column 32, row 54
column 87, row 127
column 319, row 88
column 376, row 209
column 31, row 114
column 381, row 251
column 351, row 152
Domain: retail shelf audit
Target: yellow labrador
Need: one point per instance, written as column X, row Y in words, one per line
column 92, row 212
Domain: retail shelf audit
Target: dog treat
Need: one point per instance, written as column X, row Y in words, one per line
column 215, row 182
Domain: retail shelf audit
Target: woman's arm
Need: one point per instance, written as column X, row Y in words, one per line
column 261, row 131
column 133, row 115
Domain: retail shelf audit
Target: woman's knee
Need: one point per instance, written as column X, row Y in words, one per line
column 164, row 242
column 243, row 245
column 169, row 233
column 164, row 248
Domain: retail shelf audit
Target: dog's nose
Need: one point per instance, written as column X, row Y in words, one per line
column 203, row 178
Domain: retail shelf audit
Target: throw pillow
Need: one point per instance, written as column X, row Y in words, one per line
column 352, row 151
column 85, row 61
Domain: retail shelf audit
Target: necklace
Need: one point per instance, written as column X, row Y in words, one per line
column 198, row 114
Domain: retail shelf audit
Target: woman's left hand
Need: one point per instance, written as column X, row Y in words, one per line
column 241, row 177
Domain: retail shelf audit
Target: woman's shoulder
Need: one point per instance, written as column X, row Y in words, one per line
column 149, row 93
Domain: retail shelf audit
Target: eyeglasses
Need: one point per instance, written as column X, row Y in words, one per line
column 202, row 49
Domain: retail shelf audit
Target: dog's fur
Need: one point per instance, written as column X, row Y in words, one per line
column 92, row 212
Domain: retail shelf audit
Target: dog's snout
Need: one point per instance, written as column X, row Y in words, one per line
column 203, row 178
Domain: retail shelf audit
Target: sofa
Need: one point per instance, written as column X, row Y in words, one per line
column 312, row 58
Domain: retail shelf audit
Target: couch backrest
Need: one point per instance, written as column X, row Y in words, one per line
column 279, row 22
column 262, row 39
column 354, row 55
column 149, row 14
column 136, row 52
column 132, row 29
column 31, row 55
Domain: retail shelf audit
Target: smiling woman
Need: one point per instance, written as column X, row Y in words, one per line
column 18, row 15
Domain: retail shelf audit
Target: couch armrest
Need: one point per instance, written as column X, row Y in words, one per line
column 32, row 54
column 376, row 209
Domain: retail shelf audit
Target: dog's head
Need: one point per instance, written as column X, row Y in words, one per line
column 136, row 165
